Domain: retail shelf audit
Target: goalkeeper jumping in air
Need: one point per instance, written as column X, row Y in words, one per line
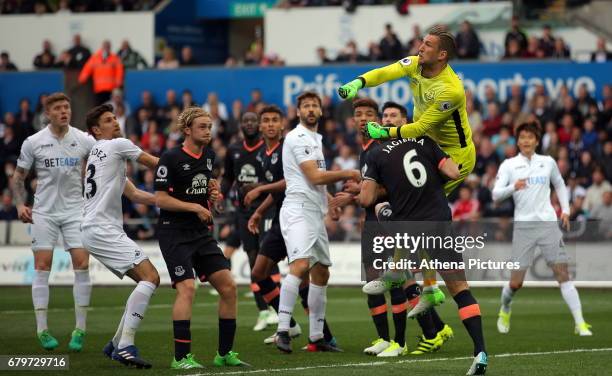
column 439, row 112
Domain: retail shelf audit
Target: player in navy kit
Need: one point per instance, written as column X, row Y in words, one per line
column 413, row 172
column 272, row 249
column 243, row 167
column 183, row 187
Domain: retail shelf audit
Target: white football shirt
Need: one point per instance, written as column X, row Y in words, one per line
column 58, row 164
column 105, row 179
column 533, row 202
column 302, row 144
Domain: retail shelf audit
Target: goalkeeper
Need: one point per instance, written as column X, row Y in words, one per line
column 439, row 112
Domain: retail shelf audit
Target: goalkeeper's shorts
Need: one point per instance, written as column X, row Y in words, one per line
column 466, row 159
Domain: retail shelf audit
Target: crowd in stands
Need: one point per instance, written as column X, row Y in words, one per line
column 76, row 6
column 577, row 133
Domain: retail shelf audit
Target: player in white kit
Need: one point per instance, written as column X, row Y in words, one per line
column 57, row 153
column 302, row 222
column 102, row 229
column 527, row 178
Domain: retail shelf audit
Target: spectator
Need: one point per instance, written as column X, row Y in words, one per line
column 8, row 212
column 152, row 140
column 24, row 116
column 517, row 35
column 212, row 100
column 559, row 101
column 118, row 5
column 40, row 8
column 415, row 42
column 560, row 51
column 474, row 117
column 390, row 45
column 607, row 159
column 130, row 58
column 5, row 62
column 574, row 189
column 603, row 213
column 117, row 99
column 40, row 119
column 601, row 53
column 168, row 60
column 547, row 41
column 489, row 97
column 187, row 58
column 374, row 52
column 468, row 44
column 569, row 108
column 107, row 71
column 231, row 62
column 596, row 190
column 147, row 102
column 254, row 54
column 10, row 143
column 121, row 117
column 466, row 208
column 485, row 155
column 533, row 49
column 256, row 99
column 513, row 50
column 350, row 54
column 585, row 168
column 584, row 101
column 322, row 56
column 187, row 99
column 589, row 136
column 164, row 113
column 502, row 140
column 63, row 7
column 493, row 121
column 79, row 54
column 45, row 59
column 565, row 131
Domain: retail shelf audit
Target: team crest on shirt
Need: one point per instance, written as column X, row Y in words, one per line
column 209, row 163
column 74, row 144
column 445, row 106
column 364, row 169
column 429, row 95
column 269, row 176
column 307, row 150
column 179, row 271
column 406, row 61
column 274, row 158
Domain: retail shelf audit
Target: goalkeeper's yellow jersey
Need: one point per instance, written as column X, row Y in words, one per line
column 439, row 103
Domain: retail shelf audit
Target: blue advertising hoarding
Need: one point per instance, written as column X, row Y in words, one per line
column 282, row 85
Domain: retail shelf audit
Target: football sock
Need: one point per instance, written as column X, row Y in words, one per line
column 81, row 292
column 469, row 313
column 288, row 296
column 317, row 301
column 117, row 336
column 40, row 298
column 378, row 310
column 271, row 294
column 182, row 338
column 259, row 300
column 506, row 298
column 134, row 311
column 227, row 332
column 327, row 334
column 426, row 321
column 399, row 307
column 572, row 299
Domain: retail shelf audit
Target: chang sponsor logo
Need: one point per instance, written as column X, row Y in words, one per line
column 198, row 185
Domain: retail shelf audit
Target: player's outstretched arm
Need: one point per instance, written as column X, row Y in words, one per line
column 371, row 78
column 320, row 177
column 164, row 201
column 138, row 196
column 253, row 224
column 148, row 160
column 562, row 194
column 277, row 186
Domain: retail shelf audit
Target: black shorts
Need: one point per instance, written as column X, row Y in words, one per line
column 273, row 244
column 191, row 253
column 250, row 241
column 233, row 239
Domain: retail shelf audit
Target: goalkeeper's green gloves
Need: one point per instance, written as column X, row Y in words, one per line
column 349, row 91
column 376, row 131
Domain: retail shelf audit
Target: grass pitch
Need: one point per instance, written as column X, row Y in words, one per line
column 541, row 341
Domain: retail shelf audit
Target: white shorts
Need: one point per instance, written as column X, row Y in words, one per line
column 46, row 229
column 113, row 248
column 305, row 234
column 545, row 235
